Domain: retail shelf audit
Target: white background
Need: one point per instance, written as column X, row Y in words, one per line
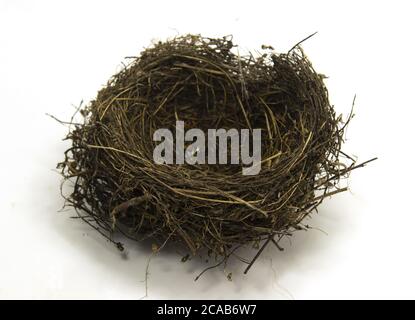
column 53, row 54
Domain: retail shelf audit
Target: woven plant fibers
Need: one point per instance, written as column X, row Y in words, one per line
column 209, row 209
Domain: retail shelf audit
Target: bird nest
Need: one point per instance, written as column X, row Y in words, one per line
column 210, row 209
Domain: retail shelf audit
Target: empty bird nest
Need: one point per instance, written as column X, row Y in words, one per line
column 209, row 209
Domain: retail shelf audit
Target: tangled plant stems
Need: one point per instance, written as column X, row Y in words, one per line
column 209, row 209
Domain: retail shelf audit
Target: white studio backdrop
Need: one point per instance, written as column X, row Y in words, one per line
column 54, row 54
